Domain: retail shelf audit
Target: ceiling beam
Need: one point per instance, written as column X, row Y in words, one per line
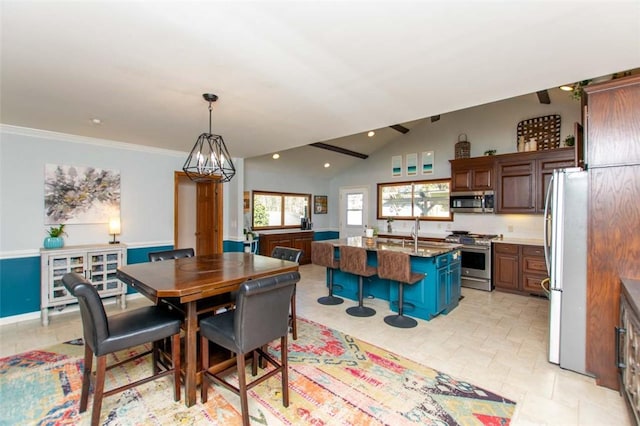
column 543, row 97
column 339, row 150
column 400, row 128
column 435, row 118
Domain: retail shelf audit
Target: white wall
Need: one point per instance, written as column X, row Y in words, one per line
column 491, row 126
column 147, row 189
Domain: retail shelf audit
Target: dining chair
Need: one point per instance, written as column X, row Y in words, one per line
column 396, row 266
column 171, row 254
column 293, row 255
column 261, row 316
column 106, row 335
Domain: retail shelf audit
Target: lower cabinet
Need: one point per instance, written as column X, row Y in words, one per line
column 519, row 268
column 300, row 240
column 628, row 346
column 97, row 263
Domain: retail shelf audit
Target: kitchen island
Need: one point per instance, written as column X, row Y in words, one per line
column 437, row 293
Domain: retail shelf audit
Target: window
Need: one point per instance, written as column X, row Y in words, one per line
column 272, row 210
column 355, row 206
column 428, row 199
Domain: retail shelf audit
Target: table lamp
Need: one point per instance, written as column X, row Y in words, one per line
column 114, row 229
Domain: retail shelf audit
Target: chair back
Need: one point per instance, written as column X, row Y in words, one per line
column 394, row 266
column 170, row 254
column 94, row 318
column 353, row 260
column 262, row 310
column 322, row 254
column 287, row 253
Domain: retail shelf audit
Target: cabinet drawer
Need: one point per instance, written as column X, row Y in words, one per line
column 442, row 261
column 533, row 251
column 506, row 248
column 534, row 264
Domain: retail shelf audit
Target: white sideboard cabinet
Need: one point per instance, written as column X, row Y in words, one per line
column 98, row 263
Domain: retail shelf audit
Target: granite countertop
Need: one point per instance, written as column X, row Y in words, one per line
column 522, row 241
column 384, row 234
column 282, row 231
column 425, row 249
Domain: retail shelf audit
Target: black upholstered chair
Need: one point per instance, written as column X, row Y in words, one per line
column 293, row 255
column 261, row 316
column 353, row 260
column 170, row 254
column 203, row 306
column 322, row 254
column 396, row 266
column 103, row 336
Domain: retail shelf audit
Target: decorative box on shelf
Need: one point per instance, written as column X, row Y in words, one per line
column 98, row 263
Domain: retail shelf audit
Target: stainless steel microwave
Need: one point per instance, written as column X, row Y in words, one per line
column 471, row 202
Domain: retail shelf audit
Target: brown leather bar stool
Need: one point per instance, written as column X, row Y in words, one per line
column 322, row 255
column 396, row 266
column 353, row 260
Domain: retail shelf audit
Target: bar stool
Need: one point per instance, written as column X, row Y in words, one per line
column 322, row 255
column 396, row 266
column 353, row 260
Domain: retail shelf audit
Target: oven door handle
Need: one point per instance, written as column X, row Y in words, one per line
column 485, row 248
column 464, row 277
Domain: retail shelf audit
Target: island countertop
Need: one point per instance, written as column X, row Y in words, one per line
column 425, row 249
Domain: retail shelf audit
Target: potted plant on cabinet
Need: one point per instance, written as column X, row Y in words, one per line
column 54, row 240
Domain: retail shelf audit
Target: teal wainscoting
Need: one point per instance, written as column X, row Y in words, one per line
column 19, row 286
column 326, row 235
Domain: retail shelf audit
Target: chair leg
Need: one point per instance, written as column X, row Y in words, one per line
column 101, row 367
column 400, row 320
column 86, row 377
column 284, row 362
column 292, row 320
column 175, row 351
column 330, row 299
column 204, row 356
column 361, row 310
column 242, row 387
column 154, row 356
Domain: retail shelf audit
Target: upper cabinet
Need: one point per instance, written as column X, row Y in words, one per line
column 472, row 174
column 523, row 178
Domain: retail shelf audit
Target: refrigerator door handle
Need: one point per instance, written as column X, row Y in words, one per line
column 619, row 332
column 547, row 224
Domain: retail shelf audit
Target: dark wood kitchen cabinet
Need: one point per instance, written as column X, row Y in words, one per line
column 523, row 178
column 518, row 268
column 472, row 174
column 613, row 244
column 300, row 240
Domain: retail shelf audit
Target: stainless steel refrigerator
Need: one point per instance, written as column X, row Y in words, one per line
column 565, row 237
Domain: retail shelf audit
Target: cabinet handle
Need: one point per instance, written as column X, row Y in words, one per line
column 619, row 332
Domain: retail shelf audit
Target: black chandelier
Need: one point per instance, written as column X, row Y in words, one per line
column 209, row 159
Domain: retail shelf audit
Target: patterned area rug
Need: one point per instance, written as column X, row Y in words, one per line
column 334, row 380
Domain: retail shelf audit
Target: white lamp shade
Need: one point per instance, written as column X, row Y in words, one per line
column 114, row 226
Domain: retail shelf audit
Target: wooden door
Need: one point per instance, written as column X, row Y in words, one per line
column 197, row 218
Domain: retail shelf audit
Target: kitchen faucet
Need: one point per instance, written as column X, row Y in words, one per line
column 414, row 234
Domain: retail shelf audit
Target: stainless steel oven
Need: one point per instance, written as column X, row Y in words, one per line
column 475, row 258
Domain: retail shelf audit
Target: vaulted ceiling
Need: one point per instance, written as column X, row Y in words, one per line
column 289, row 74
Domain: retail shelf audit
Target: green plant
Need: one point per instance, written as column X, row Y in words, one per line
column 569, row 140
column 578, row 89
column 490, row 152
column 389, row 219
column 56, row 231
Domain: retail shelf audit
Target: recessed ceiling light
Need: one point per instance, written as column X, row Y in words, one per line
column 371, row 134
column 96, row 121
column 326, row 165
column 276, row 156
column 566, row 88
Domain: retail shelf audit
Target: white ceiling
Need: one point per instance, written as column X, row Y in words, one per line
column 291, row 73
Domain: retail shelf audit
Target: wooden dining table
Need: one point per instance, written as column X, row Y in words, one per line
column 197, row 278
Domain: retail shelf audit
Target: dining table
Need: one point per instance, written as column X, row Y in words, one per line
column 194, row 279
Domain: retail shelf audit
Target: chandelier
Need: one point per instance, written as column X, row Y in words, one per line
column 209, row 159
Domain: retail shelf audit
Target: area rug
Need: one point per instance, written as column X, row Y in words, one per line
column 335, row 379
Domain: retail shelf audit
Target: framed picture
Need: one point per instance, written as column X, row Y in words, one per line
column 427, row 162
column 412, row 164
column 320, row 204
column 396, row 166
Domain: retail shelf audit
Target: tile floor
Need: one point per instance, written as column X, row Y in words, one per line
column 494, row 340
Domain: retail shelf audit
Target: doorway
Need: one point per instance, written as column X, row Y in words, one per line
column 353, row 211
column 197, row 215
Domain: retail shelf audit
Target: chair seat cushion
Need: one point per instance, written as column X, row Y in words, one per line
column 219, row 329
column 137, row 327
